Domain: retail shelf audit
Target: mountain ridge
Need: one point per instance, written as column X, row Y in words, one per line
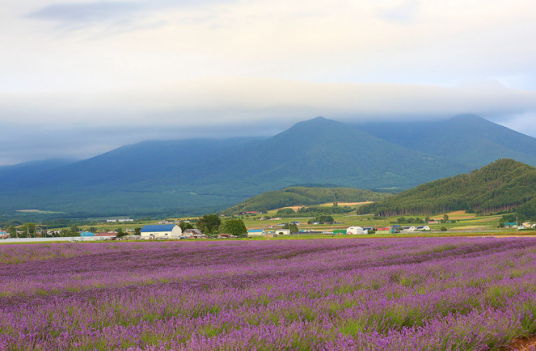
column 196, row 176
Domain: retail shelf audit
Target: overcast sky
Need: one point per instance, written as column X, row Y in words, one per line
column 81, row 77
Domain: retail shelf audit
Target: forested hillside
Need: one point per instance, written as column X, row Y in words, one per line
column 293, row 196
column 501, row 186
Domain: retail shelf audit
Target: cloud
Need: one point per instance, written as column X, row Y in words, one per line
column 79, row 124
column 87, row 12
column 103, row 11
column 402, row 13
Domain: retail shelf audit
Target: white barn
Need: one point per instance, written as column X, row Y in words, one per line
column 161, row 231
column 356, row 230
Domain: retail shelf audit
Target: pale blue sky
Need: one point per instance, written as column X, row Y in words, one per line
column 88, row 76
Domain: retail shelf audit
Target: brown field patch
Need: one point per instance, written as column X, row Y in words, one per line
column 329, row 204
column 456, row 215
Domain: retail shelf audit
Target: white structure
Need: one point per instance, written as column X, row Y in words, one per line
column 282, row 232
column 161, row 231
column 356, row 231
column 256, row 232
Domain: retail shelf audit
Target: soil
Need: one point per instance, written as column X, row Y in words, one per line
column 521, row 344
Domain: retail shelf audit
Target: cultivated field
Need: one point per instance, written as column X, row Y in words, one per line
column 347, row 294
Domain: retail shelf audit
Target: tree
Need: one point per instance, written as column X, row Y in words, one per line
column 285, row 212
column 186, row 225
column 445, row 217
column 28, row 229
column 137, row 231
column 292, row 226
column 120, row 233
column 92, row 229
column 208, row 224
column 12, row 231
column 74, row 228
column 234, row 227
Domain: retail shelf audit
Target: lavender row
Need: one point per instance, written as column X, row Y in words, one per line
column 325, row 294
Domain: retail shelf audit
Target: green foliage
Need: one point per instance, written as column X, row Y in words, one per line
column 404, row 220
column 208, row 224
column 120, row 233
column 234, row 226
column 292, row 226
column 28, row 229
column 285, row 212
column 443, row 229
column 186, row 225
column 322, row 220
column 499, row 187
column 317, row 210
column 305, row 196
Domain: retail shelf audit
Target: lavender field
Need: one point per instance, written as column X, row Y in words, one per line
column 348, row 294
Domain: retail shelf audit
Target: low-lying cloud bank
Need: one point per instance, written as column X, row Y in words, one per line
column 82, row 124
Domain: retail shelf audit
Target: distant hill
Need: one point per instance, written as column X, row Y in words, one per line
column 294, row 196
column 467, row 139
column 501, row 186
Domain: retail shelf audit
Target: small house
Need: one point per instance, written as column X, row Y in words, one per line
column 282, row 232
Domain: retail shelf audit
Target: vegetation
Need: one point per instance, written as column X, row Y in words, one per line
column 502, row 186
column 292, row 226
column 306, row 196
column 208, row 224
column 322, row 220
column 234, row 226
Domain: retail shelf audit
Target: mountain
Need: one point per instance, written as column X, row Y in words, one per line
column 503, row 185
column 467, row 139
column 326, row 151
column 294, row 196
column 197, row 176
column 188, row 177
column 21, row 173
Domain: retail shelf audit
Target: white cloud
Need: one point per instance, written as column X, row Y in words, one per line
column 82, row 64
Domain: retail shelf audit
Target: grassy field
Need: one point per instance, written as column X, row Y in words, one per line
column 464, row 222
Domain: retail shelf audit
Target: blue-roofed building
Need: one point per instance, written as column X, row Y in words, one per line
column 87, row 234
column 161, row 231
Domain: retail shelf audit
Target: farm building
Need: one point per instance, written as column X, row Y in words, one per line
column 161, row 231
column 423, row 228
column 282, row 232
column 87, row 234
column 256, row 232
column 339, row 231
column 386, row 230
column 356, row 230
